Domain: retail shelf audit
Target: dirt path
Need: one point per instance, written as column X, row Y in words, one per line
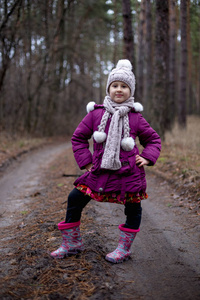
column 165, row 261
column 21, row 180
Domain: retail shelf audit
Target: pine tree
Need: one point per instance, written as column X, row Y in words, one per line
column 160, row 97
column 183, row 66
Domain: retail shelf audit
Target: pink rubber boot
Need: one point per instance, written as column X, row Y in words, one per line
column 122, row 252
column 72, row 241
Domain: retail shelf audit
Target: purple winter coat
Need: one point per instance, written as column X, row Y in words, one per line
column 129, row 178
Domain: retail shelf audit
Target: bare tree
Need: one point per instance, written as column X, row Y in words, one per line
column 8, row 45
column 148, row 55
column 8, row 36
column 183, row 66
column 172, row 62
column 198, row 82
column 160, row 97
column 128, row 31
column 190, row 96
column 116, row 40
column 140, row 61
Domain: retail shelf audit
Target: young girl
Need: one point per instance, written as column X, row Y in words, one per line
column 115, row 171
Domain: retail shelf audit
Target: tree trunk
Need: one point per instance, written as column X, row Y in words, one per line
column 148, row 56
column 160, row 98
column 198, row 82
column 28, row 51
column 128, row 32
column 115, row 33
column 8, row 45
column 140, row 64
column 172, row 62
column 183, row 66
column 191, row 99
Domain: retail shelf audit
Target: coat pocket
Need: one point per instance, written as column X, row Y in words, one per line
column 127, row 159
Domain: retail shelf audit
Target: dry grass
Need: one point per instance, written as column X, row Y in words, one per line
column 182, row 146
column 185, row 143
column 12, row 146
column 179, row 162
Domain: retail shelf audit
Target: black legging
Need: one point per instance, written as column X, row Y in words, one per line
column 77, row 201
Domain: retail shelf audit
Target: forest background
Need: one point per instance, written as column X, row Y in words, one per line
column 55, row 56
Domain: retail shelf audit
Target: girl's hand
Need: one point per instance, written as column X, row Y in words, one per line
column 141, row 161
column 89, row 167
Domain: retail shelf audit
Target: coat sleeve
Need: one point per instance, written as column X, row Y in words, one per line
column 80, row 141
column 149, row 139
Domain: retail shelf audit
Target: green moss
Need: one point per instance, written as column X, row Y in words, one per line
column 162, row 159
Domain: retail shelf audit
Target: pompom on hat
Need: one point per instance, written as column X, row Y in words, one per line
column 122, row 72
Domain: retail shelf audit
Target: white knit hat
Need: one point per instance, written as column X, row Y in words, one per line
column 122, row 72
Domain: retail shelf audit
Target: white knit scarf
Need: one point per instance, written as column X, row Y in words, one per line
column 119, row 124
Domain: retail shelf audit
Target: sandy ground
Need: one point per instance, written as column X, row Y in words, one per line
column 165, row 261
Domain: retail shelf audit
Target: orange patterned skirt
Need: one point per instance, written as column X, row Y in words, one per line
column 112, row 197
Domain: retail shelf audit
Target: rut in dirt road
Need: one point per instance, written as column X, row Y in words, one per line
column 165, row 254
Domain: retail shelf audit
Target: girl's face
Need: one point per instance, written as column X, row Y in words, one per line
column 119, row 91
